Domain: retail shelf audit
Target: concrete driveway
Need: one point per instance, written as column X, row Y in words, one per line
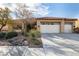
column 61, row 44
column 53, row 45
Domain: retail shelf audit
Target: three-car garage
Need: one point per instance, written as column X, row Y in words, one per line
column 55, row 25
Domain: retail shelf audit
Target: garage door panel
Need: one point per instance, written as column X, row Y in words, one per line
column 50, row 28
column 68, row 28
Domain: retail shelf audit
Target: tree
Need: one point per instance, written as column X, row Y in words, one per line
column 4, row 17
column 22, row 12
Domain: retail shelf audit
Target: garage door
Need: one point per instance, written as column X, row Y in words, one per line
column 68, row 28
column 50, row 27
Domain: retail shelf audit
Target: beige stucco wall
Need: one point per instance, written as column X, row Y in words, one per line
column 77, row 23
column 10, row 28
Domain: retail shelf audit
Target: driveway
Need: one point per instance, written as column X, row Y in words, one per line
column 61, row 44
column 53, row 45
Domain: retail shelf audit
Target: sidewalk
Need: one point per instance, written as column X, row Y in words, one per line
column 21, row 51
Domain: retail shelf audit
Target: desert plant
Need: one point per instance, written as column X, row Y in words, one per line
column 76, row 30
column 5, row 17
column 11, row 35
column 35, row 41
column 34, row 33
column 2, row 35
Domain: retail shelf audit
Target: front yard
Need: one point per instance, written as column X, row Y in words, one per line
column 31, row 39
column 53, row 45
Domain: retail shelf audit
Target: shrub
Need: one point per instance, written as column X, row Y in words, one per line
column 25, row 34
column 36, row 42
column 34, row 33
column 11, row 35
column 76, row 30
column 2, row 35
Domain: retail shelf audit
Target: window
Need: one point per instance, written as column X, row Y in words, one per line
column 47, row 23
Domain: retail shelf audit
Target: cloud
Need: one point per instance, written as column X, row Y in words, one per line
column 38, row 8
column 2, row 5
column 41, row 10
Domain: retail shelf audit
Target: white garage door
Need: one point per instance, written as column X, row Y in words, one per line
column 50, row 28
column 68, row 28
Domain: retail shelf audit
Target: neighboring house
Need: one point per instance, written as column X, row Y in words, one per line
column 51, row 24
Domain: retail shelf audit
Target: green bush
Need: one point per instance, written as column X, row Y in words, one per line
column 11, row 35
column 2, row 35
column 34, row 33
column 25, row 34
column 35, row 41
column 76, row 30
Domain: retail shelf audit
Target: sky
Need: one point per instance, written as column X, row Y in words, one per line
column 63, row 10
column 66, row 10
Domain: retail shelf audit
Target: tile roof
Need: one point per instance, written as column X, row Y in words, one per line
column 54, row 18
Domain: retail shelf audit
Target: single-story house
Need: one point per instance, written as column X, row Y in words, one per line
column 52, row 24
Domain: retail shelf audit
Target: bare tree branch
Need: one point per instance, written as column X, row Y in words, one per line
column 22, row 12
